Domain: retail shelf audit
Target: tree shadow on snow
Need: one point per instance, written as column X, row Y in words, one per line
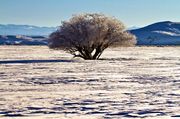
column 32, row 61
column 118, row 59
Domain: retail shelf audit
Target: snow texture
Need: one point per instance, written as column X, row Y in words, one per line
column 140, row 82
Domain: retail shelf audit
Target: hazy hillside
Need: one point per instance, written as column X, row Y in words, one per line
column 162, row 33
column 29, row 30
column 22, row 40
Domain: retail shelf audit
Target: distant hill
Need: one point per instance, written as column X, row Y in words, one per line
column 161, row 33
column 29, row 30
column 22, row 40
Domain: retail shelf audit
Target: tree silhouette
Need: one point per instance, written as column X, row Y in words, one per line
column 88, row 35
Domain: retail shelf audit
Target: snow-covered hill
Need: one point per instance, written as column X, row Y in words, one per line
column 161, row 33
column 29, row 30
column 22, row 40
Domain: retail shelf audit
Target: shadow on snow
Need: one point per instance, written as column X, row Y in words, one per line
column 32, row 61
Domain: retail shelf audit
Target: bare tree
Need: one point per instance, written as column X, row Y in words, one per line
column 88, row 35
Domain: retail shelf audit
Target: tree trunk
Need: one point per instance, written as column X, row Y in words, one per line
column 87, row 54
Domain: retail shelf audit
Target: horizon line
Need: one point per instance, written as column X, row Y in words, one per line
column 60, row 25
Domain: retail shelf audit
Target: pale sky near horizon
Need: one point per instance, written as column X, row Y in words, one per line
column 52, row 12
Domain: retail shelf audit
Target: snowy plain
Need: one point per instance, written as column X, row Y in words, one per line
column 135, row 82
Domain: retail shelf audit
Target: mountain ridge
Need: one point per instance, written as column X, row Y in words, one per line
column 30, row 30
column 160, row 33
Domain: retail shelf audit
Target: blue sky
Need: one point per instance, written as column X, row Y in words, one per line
column 52, row 12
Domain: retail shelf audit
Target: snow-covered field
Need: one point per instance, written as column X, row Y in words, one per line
column 140, row 82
